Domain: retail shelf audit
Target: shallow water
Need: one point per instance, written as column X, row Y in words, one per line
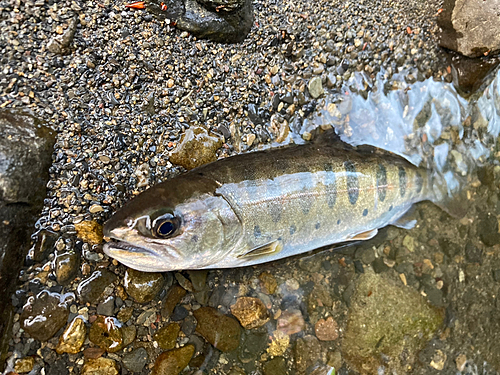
column 446, row 270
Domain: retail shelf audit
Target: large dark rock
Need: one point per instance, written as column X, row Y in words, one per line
column 224, row 21
column 470, row 27
column 25, row 156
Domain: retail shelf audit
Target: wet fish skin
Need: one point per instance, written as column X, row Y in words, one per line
column 262, row 206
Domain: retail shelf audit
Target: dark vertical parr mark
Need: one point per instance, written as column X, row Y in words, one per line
column 352, row 182
column 330, row 186
column 402, row 181
column 274, row 206
column 381, row 182
column 419, row 182
column 305, row 184
column 250, row 180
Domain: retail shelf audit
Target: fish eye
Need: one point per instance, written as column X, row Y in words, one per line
column 165, row 226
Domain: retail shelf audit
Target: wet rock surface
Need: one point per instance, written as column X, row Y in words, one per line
column 143, row 286
column 135, row 360
column 109, row 334
column 220, row 330
column 470, row 28
column 196, row 148
column 92, row 289
column 173, row 361
column 385, row 319
column 25, row 156
column 100, row 366
column 251, row 312
column 73, row 337
column 45, row 314
column 167, row 336
column 122, row 97
column 225, row 21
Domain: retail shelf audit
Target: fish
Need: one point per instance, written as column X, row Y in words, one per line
column 267, row 205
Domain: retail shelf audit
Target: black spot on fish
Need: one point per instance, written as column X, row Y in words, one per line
column 194, row 238
column 338, row 221
column 292, row 229
column 419, row 182
column 402, row 181
column 256, row 231
column 365, row 212
column 317, row 226
column 352, row 182
column 330, row 186
column 274, row 206
column 381, row 182
column 390, row 208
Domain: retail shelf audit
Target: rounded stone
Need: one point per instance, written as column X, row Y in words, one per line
column 100, row 366
column 44, row 315
column 251, row 312
column 108, row 334
column 143, row 286
column 196, row 148
column 66, row 266
column 220, row 330
column 89, row 231
column 174, row 296
column 72, row 339
column 24, row 365
column 135, row 360
column 269, row 282
column 326, row 330
column 307, row 352
column 276, row 366
column 315, row 87
column 91, row 289
column 172, row 362
column 167, row 336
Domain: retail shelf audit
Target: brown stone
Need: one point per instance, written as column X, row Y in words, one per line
column 220, row 330
column 73, row 337
column 251, row 312
column 269, row 282
column 89, row 231
column 326, row 330
column 100, row 366
column 172, row 362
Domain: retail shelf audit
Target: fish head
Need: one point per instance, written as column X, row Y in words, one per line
column 178, row 224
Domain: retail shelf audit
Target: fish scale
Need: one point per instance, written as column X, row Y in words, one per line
column 357, row 208
column 267, row 205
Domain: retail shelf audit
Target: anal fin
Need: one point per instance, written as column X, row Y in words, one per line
column 363, row 236
column 407, row 221
column 266, row 249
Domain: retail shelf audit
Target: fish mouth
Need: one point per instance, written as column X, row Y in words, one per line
column 116, row 245
column 136, row 257
column 119, row 249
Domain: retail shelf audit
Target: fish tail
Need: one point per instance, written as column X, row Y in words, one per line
column 448, row 191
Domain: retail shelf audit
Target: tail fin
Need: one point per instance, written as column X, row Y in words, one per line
column 450, row 193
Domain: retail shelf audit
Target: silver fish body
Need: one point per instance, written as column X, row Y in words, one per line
column 262, row 206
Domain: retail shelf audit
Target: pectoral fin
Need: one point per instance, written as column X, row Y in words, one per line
column 363, row 236
column 269, row 248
